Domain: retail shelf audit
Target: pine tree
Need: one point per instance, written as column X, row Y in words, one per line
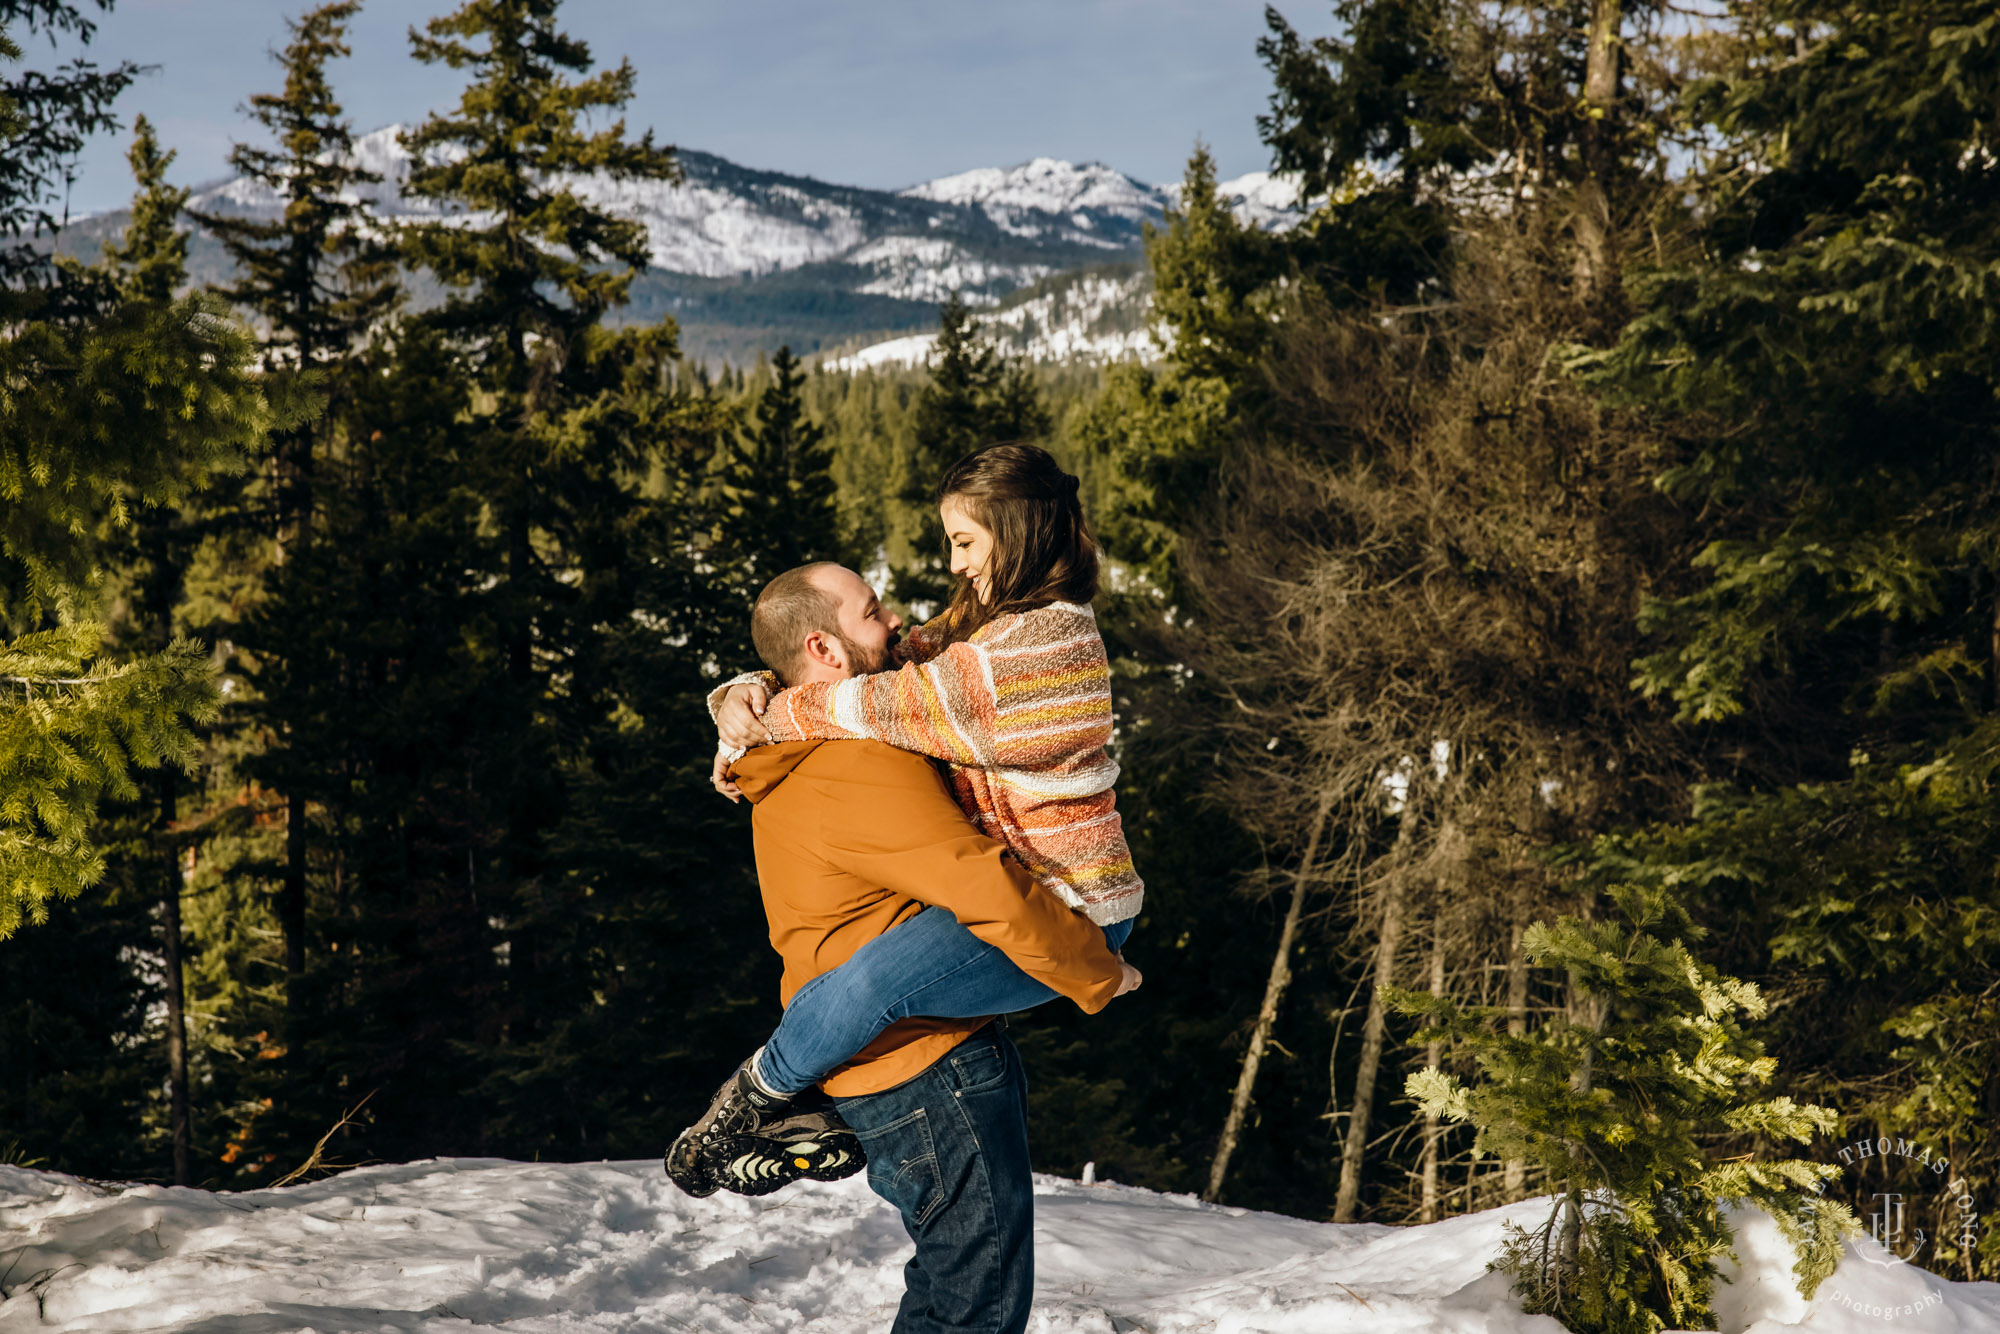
column 547, row 265
column 150, row 260
column 952, row 412
column 1375, row 123
column 55, row 113
column 122, row 403
column 145, row 266
column 318, row 281
column 525, row 288
column 502, row 491
column 315, row 276
column 974, row 399
column 1157, row 434
column 778, row 487
column 1627, row 1117
column 110, row 414
column 1829, row 338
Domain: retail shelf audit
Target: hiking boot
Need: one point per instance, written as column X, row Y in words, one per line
column 815, row 1144
column 754, row 1141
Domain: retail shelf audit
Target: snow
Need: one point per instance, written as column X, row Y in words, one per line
column 725, row 222
column 1092, row 318
column 479, row 1245
column 1256, row 199
column 1046, row 195
column 694, row 228
column 921, row 268
column 909, row 350
column 1037, row 198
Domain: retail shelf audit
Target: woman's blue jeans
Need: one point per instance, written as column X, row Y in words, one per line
column 929, row 965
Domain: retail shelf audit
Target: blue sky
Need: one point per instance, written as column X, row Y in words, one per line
column 879, row 93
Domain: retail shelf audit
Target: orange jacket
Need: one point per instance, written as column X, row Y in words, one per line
column 852, row 837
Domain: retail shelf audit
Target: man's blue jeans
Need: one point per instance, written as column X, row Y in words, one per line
column 929, row 965
column 950, row 1150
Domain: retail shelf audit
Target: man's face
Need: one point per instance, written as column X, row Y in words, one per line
column 868, row 630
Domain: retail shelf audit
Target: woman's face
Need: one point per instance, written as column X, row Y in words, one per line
column 971, row 547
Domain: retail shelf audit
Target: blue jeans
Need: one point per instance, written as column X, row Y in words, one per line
column 950, row 1150
column 929, row 965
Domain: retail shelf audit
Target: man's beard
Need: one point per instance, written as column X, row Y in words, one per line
column 866, row 661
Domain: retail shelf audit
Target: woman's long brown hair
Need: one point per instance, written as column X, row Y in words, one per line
column 1042, row 549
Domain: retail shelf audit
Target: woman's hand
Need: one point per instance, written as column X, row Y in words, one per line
column 739, row 720
column 723, row 783
column 1131, row 980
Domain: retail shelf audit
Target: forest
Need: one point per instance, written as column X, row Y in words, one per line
column 1554, row 596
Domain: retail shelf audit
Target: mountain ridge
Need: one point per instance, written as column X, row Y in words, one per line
column 746, row 258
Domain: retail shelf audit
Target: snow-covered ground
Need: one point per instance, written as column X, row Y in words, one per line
column 484, row 1245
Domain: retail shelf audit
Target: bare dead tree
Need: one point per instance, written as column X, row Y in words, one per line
column 1267, row 1016
column 1431, row 1209
column 1414, row 612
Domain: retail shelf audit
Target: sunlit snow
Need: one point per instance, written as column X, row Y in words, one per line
column 479, row 1245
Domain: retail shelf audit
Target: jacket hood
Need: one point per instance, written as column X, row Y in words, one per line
column 760, row 771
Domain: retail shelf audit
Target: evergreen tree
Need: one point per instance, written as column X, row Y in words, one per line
column 1386, row 97
column 1157, row 435
column 1829, row 338
column 1623, row 1115
column 1418, row 109
column 318, row 282
column 492, row 651
column 54, row 113
column 314, row 276
column 526, row 289
column 974, row 399
column 778, row 488
column 144, row 267
column 1362, row 509
column 952, row 417
column 107, row 416
column 121, row 403
column 150, row 260
column 545, row 266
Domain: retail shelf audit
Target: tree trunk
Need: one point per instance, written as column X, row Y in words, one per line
column 1516, row 1174
column 1993, row 650
column 1433, row 1057
column 293, row 462
column 1586, row 1011
column 178, row 1120
column 1267, row 1017
column 1596, row 265
column 1355, row 1147
column 292, row 910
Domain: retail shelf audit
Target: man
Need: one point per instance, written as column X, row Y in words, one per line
column 853, row 838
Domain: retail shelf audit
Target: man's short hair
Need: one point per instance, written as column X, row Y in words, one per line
column 792, row 606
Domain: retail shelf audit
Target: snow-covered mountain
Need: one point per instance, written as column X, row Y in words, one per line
column 1091, row 315
column 1048, row 196
column 745, row 259
column 982, row 232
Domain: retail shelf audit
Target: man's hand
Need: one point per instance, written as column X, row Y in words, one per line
column 1131, row 980
column 720, row 777
column 739, row 720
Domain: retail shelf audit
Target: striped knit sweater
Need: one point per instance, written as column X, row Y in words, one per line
column 1021, row 712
